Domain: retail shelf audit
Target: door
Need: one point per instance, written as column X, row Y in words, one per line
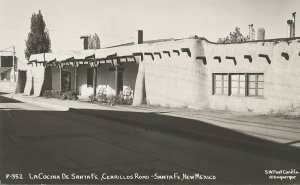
column 65, row 81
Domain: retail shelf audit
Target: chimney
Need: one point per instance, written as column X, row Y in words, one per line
column 251, row 32
column 139, row 37
column 294, row 28
column 260, row 34
column 85, row 42
column 290, row 28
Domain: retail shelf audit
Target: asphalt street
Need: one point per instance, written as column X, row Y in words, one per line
column 38, row 143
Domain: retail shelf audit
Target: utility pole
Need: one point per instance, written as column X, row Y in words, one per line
column 13, row 66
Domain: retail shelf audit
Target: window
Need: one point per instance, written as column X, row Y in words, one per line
column 90, row 77
column 220, row 84
column 237, row 84
column 255, row 84
column 6, row 61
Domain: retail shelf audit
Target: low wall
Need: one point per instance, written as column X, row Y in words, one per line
column 7, row 86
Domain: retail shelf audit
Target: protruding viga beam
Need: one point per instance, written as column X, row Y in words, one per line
column 218, row 58
column 248, row 57
column 232, row 58
column 203, row 58
column 285, row 55
column 266, row 57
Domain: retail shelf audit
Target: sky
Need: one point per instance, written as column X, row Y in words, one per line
column 116, row 21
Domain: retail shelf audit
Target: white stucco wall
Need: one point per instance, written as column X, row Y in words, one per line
column 38, row 79
column 28, row 85
column 7, row 86
column 55, row 78
column 35, row 79
column 182, row 81
column 173, row 81
column 281, row 77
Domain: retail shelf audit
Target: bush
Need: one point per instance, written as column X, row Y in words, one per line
column 52, row 94
column 92, row 98
column 101, row 95
column 124, row 98
column 70, row 95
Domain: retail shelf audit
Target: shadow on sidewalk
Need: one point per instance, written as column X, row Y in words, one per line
column 7, row 100
column 198, row 130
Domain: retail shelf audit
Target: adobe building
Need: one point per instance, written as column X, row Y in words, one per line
column 6, row 73
column 254, row 76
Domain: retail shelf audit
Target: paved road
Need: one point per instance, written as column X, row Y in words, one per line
column 36, row 140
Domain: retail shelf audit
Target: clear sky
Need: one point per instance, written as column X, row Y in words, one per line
column 115, row 21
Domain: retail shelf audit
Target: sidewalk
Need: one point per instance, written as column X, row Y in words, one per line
column 278, row 130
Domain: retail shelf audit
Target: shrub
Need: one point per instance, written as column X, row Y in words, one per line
column 47, row 94
column 101, row 95
column 52, row 94
column 92, row 98
column 125, row 97
column 70, row 95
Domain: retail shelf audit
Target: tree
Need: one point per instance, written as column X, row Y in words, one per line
column 235, row 36
column 38, row 40
column 94, row 42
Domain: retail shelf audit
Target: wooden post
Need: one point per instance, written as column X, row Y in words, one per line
column 76, row 79
column 60, row 88
column 117, row 81
column 95, row 81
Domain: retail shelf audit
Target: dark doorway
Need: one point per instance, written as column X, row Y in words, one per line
column 65, row 81
column 21, row 81
column 119, row 84
column 89, row 78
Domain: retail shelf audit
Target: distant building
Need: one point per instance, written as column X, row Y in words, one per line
column 255, row 76
column 6, row 73
column 6, row 64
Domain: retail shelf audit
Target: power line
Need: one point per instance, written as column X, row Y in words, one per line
column 64, row 31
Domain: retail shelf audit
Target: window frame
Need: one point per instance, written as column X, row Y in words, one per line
column 238, row 84
column 246, row 87
column 256, row 84
column 214, row 84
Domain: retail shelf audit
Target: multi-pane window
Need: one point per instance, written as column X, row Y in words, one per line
column 255, row 84
column 237, row 84
column 221, row 84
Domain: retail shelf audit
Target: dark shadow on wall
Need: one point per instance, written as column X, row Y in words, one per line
column 190, row 130
column 21, row 81
column 47, row 85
